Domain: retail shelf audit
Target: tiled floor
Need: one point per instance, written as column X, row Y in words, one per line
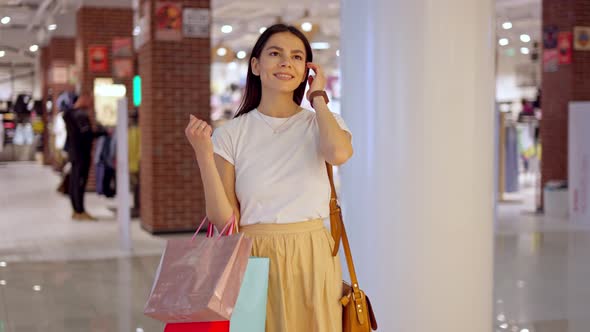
column 85, row 283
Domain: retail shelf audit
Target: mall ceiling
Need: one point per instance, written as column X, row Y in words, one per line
column 33, row 22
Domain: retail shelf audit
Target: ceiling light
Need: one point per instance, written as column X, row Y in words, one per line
column 5, row 20
column 337, row 52
column 52, row 27
column 222, row 51
column 34, row 48
column 139, row 329
column 2, row 282
column 37, row 288
column 503, row 41
column 136, row 30
column 507, row 25
column 2, row 264
column 227, row 29
column 2, row 54
column 523, row 50
column 320, row 46
column 262, row 29
column 306, row 26
column 241, row 55
column 525, row 38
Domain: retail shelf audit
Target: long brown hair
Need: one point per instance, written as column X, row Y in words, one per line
column 253, row 92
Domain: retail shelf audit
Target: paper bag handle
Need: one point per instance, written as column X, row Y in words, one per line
column 229, row 227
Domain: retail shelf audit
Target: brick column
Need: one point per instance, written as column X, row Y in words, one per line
column 175, row 83
column 59, row 52
column 98, row 26
column 569, row 83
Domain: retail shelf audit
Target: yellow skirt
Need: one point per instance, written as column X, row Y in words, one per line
column 305, row 281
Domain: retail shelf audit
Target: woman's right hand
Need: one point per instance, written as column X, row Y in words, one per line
column 198, row 133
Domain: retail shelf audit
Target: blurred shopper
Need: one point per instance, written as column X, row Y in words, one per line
column 267, row 168
column 65, row 101
column 79, row 143
column 133, row 140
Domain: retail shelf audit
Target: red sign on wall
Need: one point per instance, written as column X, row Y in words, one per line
column 564, row 45
column 98, row 58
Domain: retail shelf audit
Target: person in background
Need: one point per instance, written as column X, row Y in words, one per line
column 134, row 139
column 79, row 145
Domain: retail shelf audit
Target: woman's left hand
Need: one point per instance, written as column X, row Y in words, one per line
column 316, row 82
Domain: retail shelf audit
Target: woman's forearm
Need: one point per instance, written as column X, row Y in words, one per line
column 335, row 143
column 218, row 206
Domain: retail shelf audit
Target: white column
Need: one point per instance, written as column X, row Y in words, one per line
column 418, row 195
column 123, row 199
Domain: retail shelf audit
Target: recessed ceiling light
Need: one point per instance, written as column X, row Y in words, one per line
column 227, row 29
column 2, row 264
column 525, row 38
column 507, row 25
column 241, row 54
column 222, row 51
column 306, row 26
column 2, row 282
column 5, row 20
column 136, row 30
column 320, row 46
column 52, row 27
column 503, row 41
column 524, row 50
column 37, row 288
column 337, row 52
column 34, row 48
column 2, row 54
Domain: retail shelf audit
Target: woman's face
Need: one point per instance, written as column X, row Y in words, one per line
column 281, row 65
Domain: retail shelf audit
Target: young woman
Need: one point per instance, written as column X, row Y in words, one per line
column 267, row 167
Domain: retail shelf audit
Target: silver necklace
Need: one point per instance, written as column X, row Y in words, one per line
column 277, row 129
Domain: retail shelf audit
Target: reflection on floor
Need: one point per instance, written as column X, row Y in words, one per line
column 60, row 275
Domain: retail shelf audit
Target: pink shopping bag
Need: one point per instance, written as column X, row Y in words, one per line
column 199, row 279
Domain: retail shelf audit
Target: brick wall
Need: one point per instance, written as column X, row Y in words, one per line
column 570, row 82
column 98, row 26
column 175, row 79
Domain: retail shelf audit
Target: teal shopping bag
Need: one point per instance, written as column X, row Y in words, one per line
column 249, row 313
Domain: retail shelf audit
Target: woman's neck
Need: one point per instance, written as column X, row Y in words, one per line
column 277, row 105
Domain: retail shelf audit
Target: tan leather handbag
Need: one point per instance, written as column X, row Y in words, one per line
column 357, row 313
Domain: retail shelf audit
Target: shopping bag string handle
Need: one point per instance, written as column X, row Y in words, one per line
column 229, row 227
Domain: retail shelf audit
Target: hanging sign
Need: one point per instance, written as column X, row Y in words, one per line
column 582, row 38
column 98, row 60
column 195, row 23
column 564, row 45
column 550, row 61
column 168, row 21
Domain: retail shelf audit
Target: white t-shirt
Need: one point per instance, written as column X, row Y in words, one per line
column 280, row 177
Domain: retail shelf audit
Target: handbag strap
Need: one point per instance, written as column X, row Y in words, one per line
column 339, row 231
